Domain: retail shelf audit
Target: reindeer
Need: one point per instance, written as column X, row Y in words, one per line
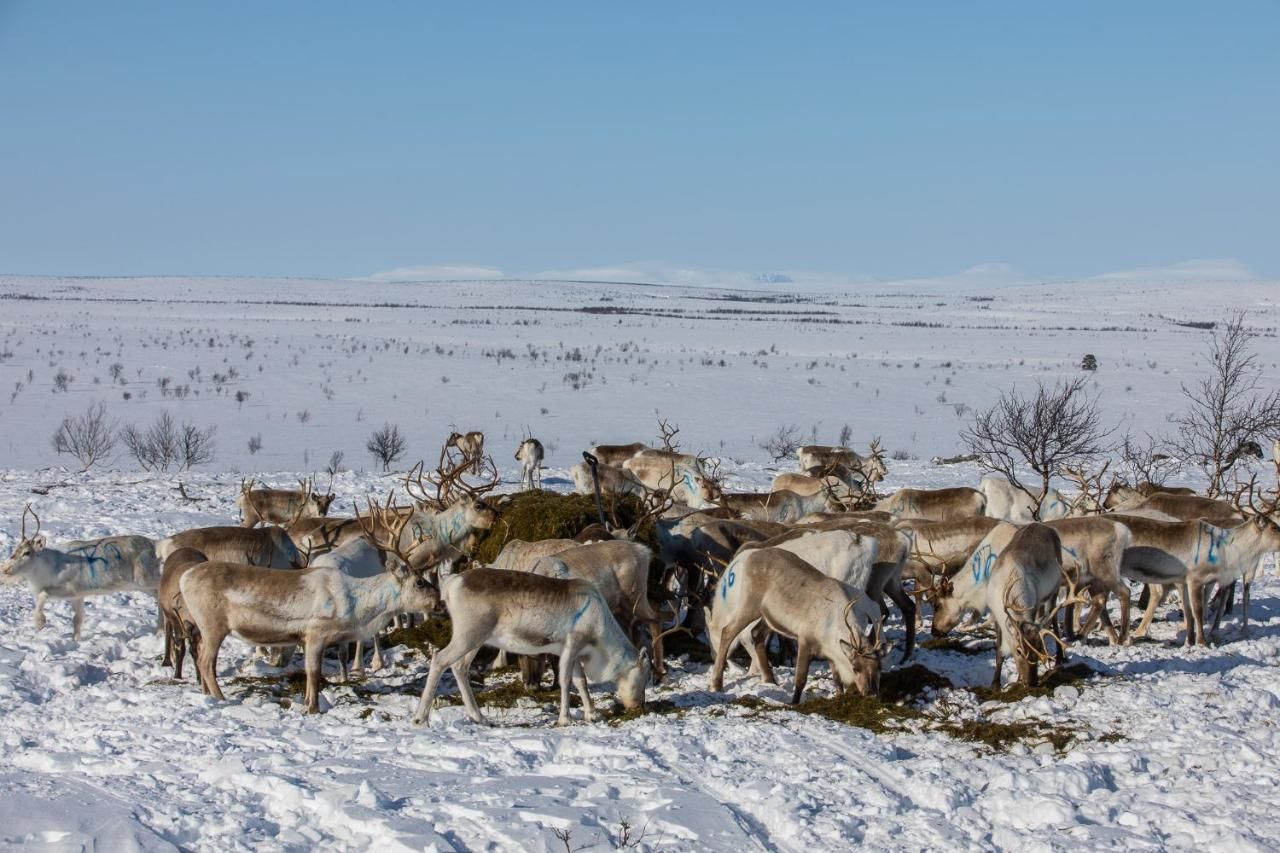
column 616, row 454
column 613, row 480
column 835, row 480
column 530, row 454
column 179, row 630
column 316, row 536
column 269, row 547
column 871, row 467
column 80, row 569
column 942, row 547
column 779, row 507
column 1092, row 554
column 470, row 445
column 1009, row 503
column 935, row 504
column 786, row 595
column 1192, row 554
column 716, row 541
column 313, row 607
column 620, row 570
column 893, row 547
column 457, row 511
column 1013, row 575
column 1121, row 495
column 661, row 470
column 281, row 506
column 530, row 614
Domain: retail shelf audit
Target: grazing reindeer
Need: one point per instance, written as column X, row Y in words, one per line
column 786, row 595
column 470, row 445
column 1121, row 496
column 1015, row 572
column 529, row 614
column 893, row 548
column 281, row 506
column 942, row 547
column 529, row 454
column 260, row 546
column 316, row 536
column 1092, row 554
column 82, row 568
column 662, row 469
column 179, row 630
column 620, row 570
column 313, row 607
column 935, row 504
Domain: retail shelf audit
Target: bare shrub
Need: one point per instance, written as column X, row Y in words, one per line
column 165, row 444
column 1055, row 428
column 62, row 381
column 1143, row 460
column 89, row 437
column 846, row 436
column 386, row 445
column 335, row 463
column 783, row 443
column 255, row 444
column 196, row 446
column 1226, row 414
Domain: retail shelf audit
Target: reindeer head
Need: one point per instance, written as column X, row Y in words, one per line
column 864, row 653
column 418, row 593
column 633, row 680
column 947, row 612
column 29, row 548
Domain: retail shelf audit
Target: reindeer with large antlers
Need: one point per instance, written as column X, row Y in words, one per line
column 457, row 508
column 281, row 506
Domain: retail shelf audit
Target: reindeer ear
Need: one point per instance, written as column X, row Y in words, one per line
column 848, row 648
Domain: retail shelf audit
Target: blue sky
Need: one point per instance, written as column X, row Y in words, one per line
column 892, row 140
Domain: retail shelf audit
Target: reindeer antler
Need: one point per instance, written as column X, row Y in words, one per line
column 1024, row 619
column 24, row 522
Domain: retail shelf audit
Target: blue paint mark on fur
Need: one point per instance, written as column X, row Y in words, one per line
column 981, row 563
column 581, row 610
column 730, row 577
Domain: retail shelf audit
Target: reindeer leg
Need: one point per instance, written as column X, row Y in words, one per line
column 995, row 681
column 37, row 618
column 1244, row 612
column 907, row 605
column 179, row 651
column 1188, row 620
column 803, row 655
column 77, row 621
column 568, row 663
column 759, row 649
column 462, row 674
column 313, row 654
column 443, row 659
column 1153, row 595
column 1122, row 593
column 580, row 682
column 376, row 663
column 499, row 662
column 655, row 644
column 727, row 635
column 207, row 663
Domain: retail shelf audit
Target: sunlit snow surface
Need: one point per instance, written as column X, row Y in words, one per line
column 101, row 749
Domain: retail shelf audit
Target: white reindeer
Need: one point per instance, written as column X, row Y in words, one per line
column 81, row 569
column 529, row 614
column 529, row 454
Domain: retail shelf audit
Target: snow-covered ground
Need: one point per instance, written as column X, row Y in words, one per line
column 101, row 749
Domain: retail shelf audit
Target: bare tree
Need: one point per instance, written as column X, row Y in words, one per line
column 196, row 446
column 1054, row 428
column 156, row 447
column 1143, row 459
column 165, row 444
column 1226, row 414
column 89, row 437
column 783, row 443
column 386, row 445
column 335, row 463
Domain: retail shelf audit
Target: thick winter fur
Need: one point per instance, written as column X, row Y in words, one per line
column 532, row 615
column 790, row 597
column 1008, row 503
column 270, row 547
column 313, row 607
column 83, row 568
column 935, row 504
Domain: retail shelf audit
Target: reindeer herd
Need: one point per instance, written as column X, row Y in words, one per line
column 815, row 560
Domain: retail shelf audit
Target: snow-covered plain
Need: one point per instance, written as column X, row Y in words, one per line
column 101, row 749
